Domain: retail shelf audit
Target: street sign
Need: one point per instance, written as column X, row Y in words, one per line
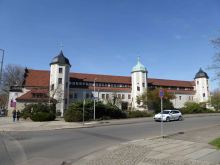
column 161, row 93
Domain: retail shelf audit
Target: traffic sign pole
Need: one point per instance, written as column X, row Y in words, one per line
column 161, row 123
column 83, row 111
column 161, row 94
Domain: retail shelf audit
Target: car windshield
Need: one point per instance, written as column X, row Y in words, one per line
column 165, row 112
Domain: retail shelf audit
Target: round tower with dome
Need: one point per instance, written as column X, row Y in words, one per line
column 202, row 86
column 59, row 81
column 139, row 82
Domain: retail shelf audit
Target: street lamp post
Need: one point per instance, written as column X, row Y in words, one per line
column 3, row 52
column 94, row 99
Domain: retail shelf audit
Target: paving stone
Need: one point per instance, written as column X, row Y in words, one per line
column 166, row 147
column 178, row 149
column 154, row 152
column 150, row 161
column 190, row 150
column 200, row 153
column 212, row 157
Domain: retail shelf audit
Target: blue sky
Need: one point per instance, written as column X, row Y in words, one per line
column 172, row 37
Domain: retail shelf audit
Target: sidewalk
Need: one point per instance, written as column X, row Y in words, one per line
column 6, row 123
column 160, row 151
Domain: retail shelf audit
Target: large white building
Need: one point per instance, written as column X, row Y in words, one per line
column 65, row 87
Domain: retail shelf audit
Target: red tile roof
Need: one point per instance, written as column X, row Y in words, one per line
column 41, row 78
column 169, row 83
column 37, row 78
column 101, row 78
column 29, row 96
column 189, row 92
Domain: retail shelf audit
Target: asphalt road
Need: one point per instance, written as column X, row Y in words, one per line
column 55, row 146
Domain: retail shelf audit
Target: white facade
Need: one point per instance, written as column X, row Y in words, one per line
column 181, row 99
column 105, row 96
column 12, row 103
column 202, row 89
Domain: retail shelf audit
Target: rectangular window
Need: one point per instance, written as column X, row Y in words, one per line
column 59, row 80
column 143, row 84
column 197, row 82
column 103, row 96
column 129, row 96
column 107, row 96
column 52, row 87
column 60, row 70
column 75, row 95
column 138, row 88
column 123, row 96
column 203, row 94
column 180, row 97
column 119, row 96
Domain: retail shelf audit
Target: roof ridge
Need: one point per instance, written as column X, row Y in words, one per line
column 98, row 74
column 171, row 79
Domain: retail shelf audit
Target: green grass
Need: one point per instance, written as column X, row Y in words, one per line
column 216, row 143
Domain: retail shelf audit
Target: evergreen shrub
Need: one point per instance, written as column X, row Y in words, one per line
column 39, row 112
column 192, row 107
column 136, row 113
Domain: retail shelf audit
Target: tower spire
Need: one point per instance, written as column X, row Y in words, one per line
column 61, row 46
column 138, row 59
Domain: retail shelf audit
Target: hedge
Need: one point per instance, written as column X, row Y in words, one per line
column 103, row 111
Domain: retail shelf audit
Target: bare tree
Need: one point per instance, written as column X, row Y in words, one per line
column 58, row 92
column 12, row 75
column 215, row 99
column 216, row 59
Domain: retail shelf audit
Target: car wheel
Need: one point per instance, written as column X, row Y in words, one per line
column 167, row 119
column 180, row 118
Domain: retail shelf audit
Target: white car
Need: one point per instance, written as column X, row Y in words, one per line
column 169, row 115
